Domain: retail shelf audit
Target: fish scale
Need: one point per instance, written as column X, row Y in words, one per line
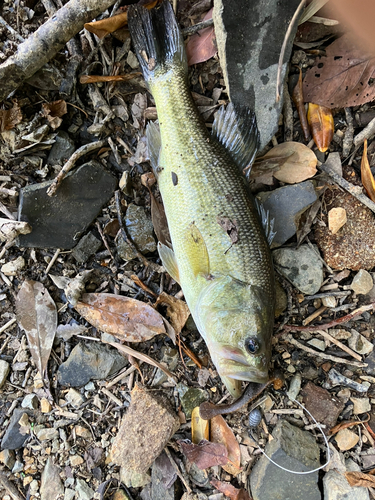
column 226, row 277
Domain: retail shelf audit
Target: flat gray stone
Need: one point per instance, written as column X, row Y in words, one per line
column 13, row 439
column 293, row 449
column 51, row 485
column 141, row 231
column 301, row 266
column 30, row 401
column 87, row 362
column 62, row 150
column 87, row 246
column 84, row 491
column 249, row 41
column 163, row 478
column 57, row 220
column 286, row 205
column 336, row 486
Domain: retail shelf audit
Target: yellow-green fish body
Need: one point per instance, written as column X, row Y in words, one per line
column 220, row 253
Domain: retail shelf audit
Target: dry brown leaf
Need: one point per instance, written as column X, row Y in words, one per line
column 202, row 45
column 299, row 102
column 321, row 124
column 158, row 217
column 230, row 491
column 222, row 433
column 177, row 310
column 110, row 24
column 109, row 78
column 357, row 478
column 9, row 118
column 37, row 315
column 336, row 219
column 200, row 428
column 204, row 454
column 53, row 111
column 344, row 78
column 300, row 163
column 366, row 174
column 126, row 318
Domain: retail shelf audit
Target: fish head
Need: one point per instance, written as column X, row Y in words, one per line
column 236, row 321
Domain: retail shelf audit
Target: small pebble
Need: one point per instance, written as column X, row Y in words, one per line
column 17, row 467
column 45, row 406
column 362, row 282
column 74, row 398
column 76, row 460
column 294, row 386
column 11, row 268
column 46, row 434
column 329, row 301
column 359, row 343
column 361, row 405
column 30, row 401
column 346, row 439
column 4, row 371
column 319, row 344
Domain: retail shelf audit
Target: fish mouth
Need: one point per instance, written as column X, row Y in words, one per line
column 233, row 364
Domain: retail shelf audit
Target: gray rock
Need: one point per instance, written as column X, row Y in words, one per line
column 133, row 479
column 74, row 398
column 362, row 282
column 46, row 433
column 294, row 386
column 190, row 397
column 170, row 357
column 51, row 485
column 249, row 42
column 333, row 162
column 87, row 246
column 17, row 467
column 318, row 344
column 293, row 449
column 336, row 486
column 57, row 220
column 337, row 379
column 163, row 478
column 4, row 371
column 359, row 343
column 69, row 494
column 8, row 458
column 89, row 362
column 286, row 205
column 301, row 266
column 370, row 361
column 13, row 438
column 30, row 401
column 141, row 231
column 62, row 150
column 83, row 490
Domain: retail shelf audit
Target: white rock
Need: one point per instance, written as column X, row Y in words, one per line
column 329, row 301
column 30, row 401
column 4, row 371
column 74, row 398
column 359, row 343
column 362, row 282
column 361, row 405
column 132, row 60
column 11, row 268
column 319, row 344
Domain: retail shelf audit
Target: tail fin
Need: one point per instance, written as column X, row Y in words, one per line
column 156, row 38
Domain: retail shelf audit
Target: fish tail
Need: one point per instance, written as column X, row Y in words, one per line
column 157, row 40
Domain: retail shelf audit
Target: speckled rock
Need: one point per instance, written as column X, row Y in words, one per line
column 353, row 246
column 141, row 231
column 362, row 282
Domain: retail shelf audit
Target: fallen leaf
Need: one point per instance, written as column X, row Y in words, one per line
column 357, row 478
column 37, row 315
column 297, row 96
column 336, row 219
column 366, row 174
column 202, row 45
column 177, row 310
column 230, row 491
column 126, row 318
column 200, row 428
column 299, row 165
column 53, row 111
column 344, row 78
column 222, row 433
column 158, row 217
column 108, row 78
column 9, row 118
column 204, row 454
column 321, row 124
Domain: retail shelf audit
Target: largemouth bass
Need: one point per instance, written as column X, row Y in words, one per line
column 220, row 254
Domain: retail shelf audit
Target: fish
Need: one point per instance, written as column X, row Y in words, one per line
column 220, row 254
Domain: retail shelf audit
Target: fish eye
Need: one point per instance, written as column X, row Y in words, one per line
column 252, row 345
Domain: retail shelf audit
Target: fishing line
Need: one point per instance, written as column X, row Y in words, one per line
column 293, row 471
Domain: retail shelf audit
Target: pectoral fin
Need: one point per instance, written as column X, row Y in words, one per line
column 196, row 251
column 233, row 386
column 168, row 259
column 154, row 145
column 236, row 129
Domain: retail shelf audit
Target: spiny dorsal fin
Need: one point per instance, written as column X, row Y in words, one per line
column 169, row 261
column 236, row 129
column 154, row 145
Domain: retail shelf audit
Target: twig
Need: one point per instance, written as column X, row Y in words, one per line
column 288, row 33
column 104, row 239
column 288, row 115
column 83, row 150
column 6, row 212
column 190, row 30
column 342, row 346
column 177, row 470
column 347, row 143
column 8, row 325
column 9, row 487
column 45, row 42
column 350, row 188
column 142, row 258
column 367, row 133
column 335, row 322
column 314, row 315
column 289, row 338
column 53, row 260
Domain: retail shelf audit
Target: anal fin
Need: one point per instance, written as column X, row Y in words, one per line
column 236, row 129
column 168, row 259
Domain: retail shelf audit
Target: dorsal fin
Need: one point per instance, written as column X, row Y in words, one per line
column 154, row 145
column 267, row 222
column 236, row 129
